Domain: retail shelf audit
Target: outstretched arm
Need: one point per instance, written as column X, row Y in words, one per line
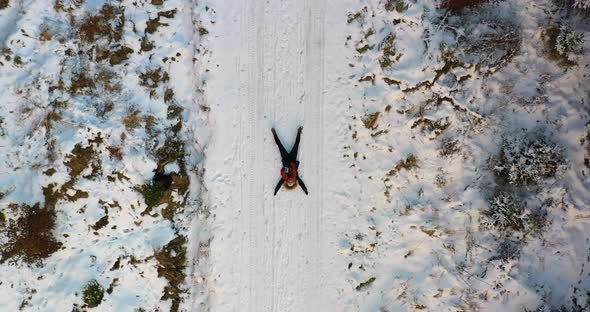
column 278, row 187
column 303, row 187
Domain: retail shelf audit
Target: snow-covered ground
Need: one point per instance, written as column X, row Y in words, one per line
column 446, row 151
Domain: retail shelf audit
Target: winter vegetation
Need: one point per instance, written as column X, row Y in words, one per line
column 446, row 148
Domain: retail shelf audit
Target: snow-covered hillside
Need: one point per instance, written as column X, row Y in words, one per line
column 445, row 146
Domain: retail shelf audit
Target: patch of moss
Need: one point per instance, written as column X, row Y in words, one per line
column 152, row 194
column 93, row 294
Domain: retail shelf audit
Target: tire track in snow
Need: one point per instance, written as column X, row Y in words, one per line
column 314, row 80
column 254, row 101
column 272, row 246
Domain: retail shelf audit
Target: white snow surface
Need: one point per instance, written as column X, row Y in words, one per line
column 282, row 70
column 399, row 215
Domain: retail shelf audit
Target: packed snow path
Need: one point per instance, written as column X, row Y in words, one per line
column 271, row 253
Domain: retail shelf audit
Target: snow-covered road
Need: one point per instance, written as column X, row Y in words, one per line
column 273, row 253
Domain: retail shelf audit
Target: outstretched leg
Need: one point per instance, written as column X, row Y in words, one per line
column 284, row 153
column 295, row 148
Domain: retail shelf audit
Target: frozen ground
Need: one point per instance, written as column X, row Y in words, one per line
column 446, row 153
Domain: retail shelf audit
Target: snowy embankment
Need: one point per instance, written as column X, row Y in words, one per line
column 101, row 131
column 469, row 136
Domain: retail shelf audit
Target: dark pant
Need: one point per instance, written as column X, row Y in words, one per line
column 290, row 157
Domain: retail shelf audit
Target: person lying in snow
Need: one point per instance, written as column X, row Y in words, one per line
column 289, row 175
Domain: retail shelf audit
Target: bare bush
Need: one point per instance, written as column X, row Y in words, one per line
column 507, row 212
column 523, row 161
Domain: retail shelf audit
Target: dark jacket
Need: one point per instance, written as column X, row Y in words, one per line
column 289, row 171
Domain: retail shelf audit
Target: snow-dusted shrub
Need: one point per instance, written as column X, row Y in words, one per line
column 507, row 250
column 460, row 4
column 489, row 38
column 93, row 294
column 506, row 211
column 582, row 4
column 569, row 42
column 563, row 44
column 524, row 161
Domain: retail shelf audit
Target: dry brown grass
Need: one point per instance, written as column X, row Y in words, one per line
column 31, row 237
column 461, row 4
column 108, row 24
column 153, row 78
column 411, row 162
column 133, row 120
column 370, row 120
column 153, row 24
column 171, row 265
column 434, row 126
column 115, row 152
